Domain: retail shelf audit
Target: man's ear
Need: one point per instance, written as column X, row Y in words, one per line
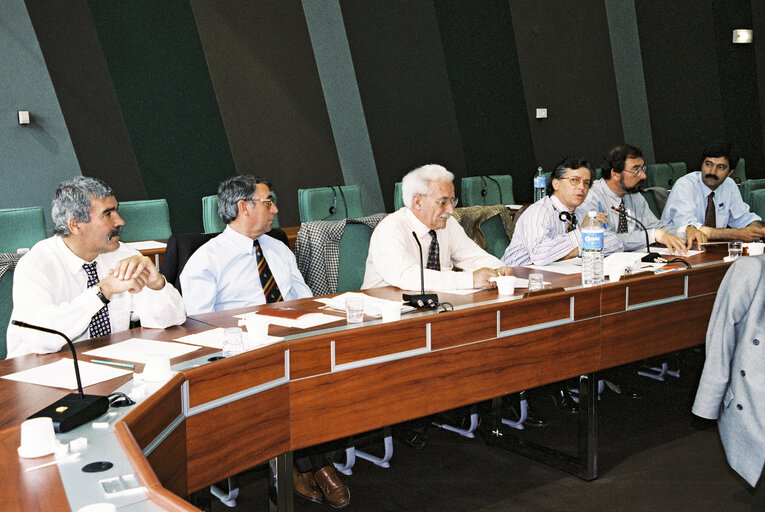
column 241, row 207
column 73, row 225
column 555, row 182
column 416, row 201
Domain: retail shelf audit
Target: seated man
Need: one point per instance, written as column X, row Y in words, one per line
column 245, row 267
column 547, row 230
column 394, row 256
column 710, row 200
column 82, row 281
column 623, row 173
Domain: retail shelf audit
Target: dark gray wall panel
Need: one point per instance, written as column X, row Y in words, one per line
column 265, row 78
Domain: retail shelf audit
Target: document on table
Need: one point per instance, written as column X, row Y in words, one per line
column 61, row 374
column 665, row 251
column 567, row 267
column 137, row 349
column 370, row 303
column 146, row 245
column 213, row 338
column 304, row 322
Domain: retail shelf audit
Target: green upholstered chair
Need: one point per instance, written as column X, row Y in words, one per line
column 398, row 196
column 757, row 202
column 652, row 203
column 495, row 235
column 21, row 228
column 6, row 306
column 739, row 174
column 330, row 203
column 748, row 186
column 354, row 246
column 145, row 220
column 212, row 222
column 487, row 190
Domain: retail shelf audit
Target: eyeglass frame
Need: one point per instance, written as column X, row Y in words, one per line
column 443, row 202
column 268, row 201
column 576, row 180
column 643, row 169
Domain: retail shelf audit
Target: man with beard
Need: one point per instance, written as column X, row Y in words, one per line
column 710, row 200
column 623, row 173
column 82, row 281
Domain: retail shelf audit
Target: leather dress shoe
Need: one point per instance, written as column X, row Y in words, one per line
column 564, row 402
column 335, row 492
column 305, row 486
column 417, row 439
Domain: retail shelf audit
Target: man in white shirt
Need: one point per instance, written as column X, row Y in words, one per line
column 710, row 200
column 623, row 173
column 82, row 281
column 549, row 230
column 394, row 256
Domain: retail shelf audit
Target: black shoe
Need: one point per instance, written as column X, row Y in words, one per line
column 564, row 402
column 631, row 391
column 535, row 421
column 416, row 439
column 532, row 419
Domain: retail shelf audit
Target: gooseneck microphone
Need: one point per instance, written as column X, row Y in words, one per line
column 74, row 409
column 651, row 257
column 423, row 300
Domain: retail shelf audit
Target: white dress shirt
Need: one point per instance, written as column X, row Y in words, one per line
column 540, row 235
column 687, row 204
column 394, row 258
column 601, row 195
column 223, row 273
column 50, row 290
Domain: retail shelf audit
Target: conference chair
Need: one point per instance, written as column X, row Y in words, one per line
column 656, row 197
column 398, row 197
column 748, row 186
column 145, row 220
column 739, row 174
column 757, row 202
column 491, row 227
column 354, row 246
column 664, row 175
column 21, row 228
column 330, row 203
column 211, row 221
column 487, row 190
column 6, row 307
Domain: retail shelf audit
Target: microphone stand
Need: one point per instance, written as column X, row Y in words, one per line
column 423, row 300
column 651, row 257
column 74, row 409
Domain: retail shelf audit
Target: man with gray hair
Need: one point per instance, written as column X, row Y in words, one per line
column 394, row 256
column 82, row 281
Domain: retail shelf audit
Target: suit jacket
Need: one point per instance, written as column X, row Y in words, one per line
column 732, row 386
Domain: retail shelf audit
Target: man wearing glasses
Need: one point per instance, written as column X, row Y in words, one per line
column 623, row 173
column 549, row 230
column 394, row 256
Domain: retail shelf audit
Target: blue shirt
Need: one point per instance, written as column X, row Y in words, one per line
column 687, row 204
column 223, row 273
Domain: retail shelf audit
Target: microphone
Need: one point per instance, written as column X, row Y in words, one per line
column 651, row 257
column 74, row 409
column 423, row 300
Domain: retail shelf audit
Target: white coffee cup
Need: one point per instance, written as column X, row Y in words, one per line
column 505, row 284
column 157, row 368
column 755, row 248
column 257, row 329
column 391, row 312
column 615, row 273
column 37, row 438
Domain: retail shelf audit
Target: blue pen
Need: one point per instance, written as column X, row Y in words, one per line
column 600, row 207
column 113, row 363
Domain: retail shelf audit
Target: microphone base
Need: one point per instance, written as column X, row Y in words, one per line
column 73, row 410
column 651, row 257
column 425, row 300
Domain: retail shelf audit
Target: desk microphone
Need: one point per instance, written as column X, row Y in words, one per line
column 651, row 257
column 422, row 300
column 74, row 409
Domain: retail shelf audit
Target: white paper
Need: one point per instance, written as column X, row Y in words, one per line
column 61, row 374
column 304, row 322
column 146, row 245
column 136, row 350
column 371, row 304
column 213, row 338
column 567, row 267
column 664, row 250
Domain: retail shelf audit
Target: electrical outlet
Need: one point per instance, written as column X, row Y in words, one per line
column 541, row 113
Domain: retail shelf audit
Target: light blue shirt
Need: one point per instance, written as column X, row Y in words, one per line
column 687, row 204
column 223, row 273
column 600, row 194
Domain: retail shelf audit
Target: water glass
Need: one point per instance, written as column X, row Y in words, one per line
column 536, row 282
column 232, row 341
column 734, row 249
column 354, row 309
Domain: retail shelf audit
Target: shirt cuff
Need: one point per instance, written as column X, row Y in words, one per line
column 651, row 237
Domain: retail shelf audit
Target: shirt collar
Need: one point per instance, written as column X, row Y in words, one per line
column 704, row 189
column 241, row 242
column 419, row 228
column 72, row 262
column 556, row 202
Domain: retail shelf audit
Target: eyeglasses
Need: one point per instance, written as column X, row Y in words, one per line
column 443, row 202
column 268, row 201
column 576, row 180
column 636, row 170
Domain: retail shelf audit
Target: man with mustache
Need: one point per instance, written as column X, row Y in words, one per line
column 82, row 281
column 623, row 173
column 710, row 200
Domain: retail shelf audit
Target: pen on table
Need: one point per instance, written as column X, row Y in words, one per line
column 112, row 363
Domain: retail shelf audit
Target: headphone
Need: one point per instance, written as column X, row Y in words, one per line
column 485, row 190
column 568, row 217
column 333, row 208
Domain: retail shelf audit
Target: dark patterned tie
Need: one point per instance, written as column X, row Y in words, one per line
column 270, row 288
column 622, row 218
column 710, row 217
column 434, row 255
column 99, row 324
column 571, row 226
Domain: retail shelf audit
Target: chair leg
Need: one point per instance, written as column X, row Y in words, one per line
column 658, row 373
column 380, row 461
column 464, row 432
column 228, row 496
column 524, row 406
column 350, row 461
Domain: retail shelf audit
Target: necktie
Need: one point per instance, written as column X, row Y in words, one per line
column 434, row 255
column 270, row 288
column 99, row 324
column 571, row 226
column 622, row 218
column 710, row 217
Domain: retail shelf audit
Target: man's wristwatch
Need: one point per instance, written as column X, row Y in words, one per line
column 101, row 295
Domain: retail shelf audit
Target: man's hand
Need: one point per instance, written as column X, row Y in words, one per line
column 673, row 243
column 482, row 275
column 111, row 285
column 694, row 235
column 139, row 266
column 751, row 233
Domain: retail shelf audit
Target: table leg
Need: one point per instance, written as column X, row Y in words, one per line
column 280, row 486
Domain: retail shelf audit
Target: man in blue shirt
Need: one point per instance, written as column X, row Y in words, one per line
column 710, row 200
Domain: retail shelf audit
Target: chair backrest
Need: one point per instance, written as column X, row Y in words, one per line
column 398, row 196
column 354, row 246
column 6, row 307
column 748, row 186
column 330, row 203
column 21, row 227
column 487, row 190
column 653, row 204
column 676, row 171
column 757, row 202
column 739, row 174
column 179, row 249
column 145, row 220
column 495, row 235
column 211, row 221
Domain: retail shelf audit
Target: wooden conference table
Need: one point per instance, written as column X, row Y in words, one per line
column 215, row 419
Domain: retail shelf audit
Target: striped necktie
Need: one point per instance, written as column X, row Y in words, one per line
column 710, row 216
column 434, row 254
column 270, row 288
column 99, row 324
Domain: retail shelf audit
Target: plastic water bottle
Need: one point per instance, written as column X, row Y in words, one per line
column 592, row 250
column 540, row 185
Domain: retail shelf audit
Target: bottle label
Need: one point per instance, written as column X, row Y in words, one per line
column 592, row 240
column 540, row 182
